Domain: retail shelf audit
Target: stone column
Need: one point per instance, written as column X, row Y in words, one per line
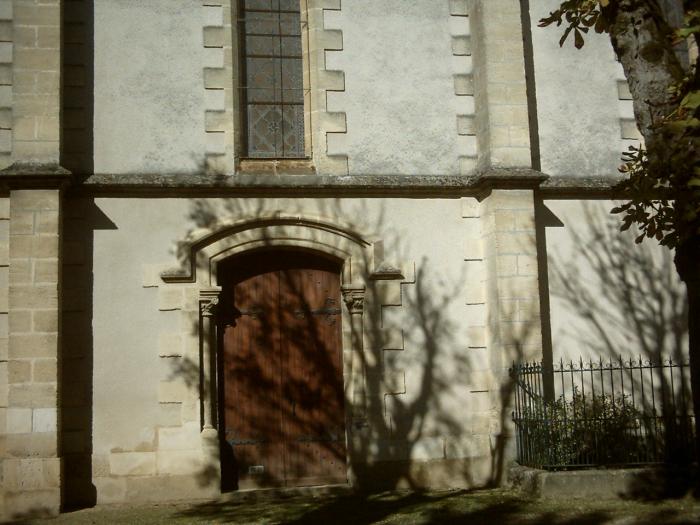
column 208, row 300
column 354, row 297
column 32, row 465
column 208, row 303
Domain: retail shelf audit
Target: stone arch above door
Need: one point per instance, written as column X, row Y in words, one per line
column 204, row 248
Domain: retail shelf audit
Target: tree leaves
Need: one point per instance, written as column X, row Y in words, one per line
column 663, row 183
column 580, row 15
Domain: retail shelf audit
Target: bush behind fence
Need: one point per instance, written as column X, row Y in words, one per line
column 613, row 413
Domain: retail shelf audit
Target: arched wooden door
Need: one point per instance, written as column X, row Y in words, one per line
column 282, row 385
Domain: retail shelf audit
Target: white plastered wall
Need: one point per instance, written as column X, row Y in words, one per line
column 579, row 107
column 149, row 96
column 411, row 329
column 399, row 93
column 608, row 295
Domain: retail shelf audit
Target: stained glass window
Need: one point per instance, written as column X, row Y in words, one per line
column 272, row 92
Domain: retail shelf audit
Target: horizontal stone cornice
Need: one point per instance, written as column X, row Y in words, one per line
column 477, row 184
column 169, row 184
column 22, row 175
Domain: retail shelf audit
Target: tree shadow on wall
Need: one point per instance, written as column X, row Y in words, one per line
column 628, row 301
column 417, row 423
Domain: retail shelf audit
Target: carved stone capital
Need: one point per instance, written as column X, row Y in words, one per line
column 208, row 308
column 354, row 298
column 208, row 302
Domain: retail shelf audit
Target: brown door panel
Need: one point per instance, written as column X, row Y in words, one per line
column 283, row 388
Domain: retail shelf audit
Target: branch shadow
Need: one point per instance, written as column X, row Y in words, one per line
column 404, row 431
column 629, row 302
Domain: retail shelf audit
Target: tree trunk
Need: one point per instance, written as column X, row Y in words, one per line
column 687, row 261
column 641, row 39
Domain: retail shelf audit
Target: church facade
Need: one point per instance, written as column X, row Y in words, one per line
column 279, row 243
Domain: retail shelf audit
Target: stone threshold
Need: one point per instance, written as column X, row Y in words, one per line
column 648, row 483
column 279, row 493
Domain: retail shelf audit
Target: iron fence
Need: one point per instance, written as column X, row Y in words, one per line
column 613, row 413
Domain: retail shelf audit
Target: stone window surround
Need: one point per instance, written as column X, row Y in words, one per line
column 362, row 261
column 223, row 116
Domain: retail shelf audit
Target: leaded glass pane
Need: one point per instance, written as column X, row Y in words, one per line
column 291, row 46
column 273, row 90
column 290, row 24
column 289, row 5
column 265, row 131
column 293, row 122
column 262, row 46
column 292, row 81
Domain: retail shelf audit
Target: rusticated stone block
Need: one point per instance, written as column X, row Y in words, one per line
column 132, row 463
column 170, row 299
column 44, row 419
column 33, row 345
column 179, row 438
column 36, row 200
column 45, row 371
column 110, row 490
column 38, row 395
column 172, row 391
column 32, row 445
column 45, row 320
column 389, row 293
column 22, row 223
column 35, row 503
column 20, row 321
column 180, row 462
column 170, row 414
column 18, row 420
column 46, row 271
column 43, row 246
column 19, row 371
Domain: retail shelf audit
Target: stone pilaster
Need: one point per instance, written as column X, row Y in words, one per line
column 36, row 86
column 502, row 127
column 32, row 464
column 514, row 328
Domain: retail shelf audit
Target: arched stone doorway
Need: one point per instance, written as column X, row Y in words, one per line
column 202, row 269
column 280, row 370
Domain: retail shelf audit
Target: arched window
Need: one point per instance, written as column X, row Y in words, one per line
column 272, row 88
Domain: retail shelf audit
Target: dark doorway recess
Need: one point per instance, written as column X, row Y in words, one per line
column 281, row 393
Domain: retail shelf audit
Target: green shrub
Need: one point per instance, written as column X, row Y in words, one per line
column 584, row 430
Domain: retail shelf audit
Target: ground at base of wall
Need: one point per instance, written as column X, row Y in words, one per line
column 404, row 508
column 645, row 484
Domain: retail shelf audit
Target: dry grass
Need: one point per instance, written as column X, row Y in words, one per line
column 493, row 507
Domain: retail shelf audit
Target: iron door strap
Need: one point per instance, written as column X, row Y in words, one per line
column 328, row 310
column 329, row 438
column 256, row 312
column 234, row 442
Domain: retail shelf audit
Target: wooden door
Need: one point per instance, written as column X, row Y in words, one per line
column 283, row 403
